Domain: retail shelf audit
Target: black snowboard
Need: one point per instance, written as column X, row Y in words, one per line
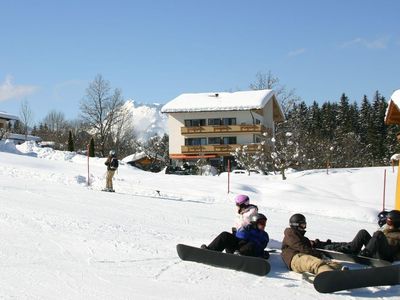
column 333, row 281
column 373, row 262
column 253, row 265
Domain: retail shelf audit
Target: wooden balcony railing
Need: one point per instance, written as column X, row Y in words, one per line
column 219, row 149
column 244, row 128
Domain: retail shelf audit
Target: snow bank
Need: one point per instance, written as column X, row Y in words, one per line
column 8, row 146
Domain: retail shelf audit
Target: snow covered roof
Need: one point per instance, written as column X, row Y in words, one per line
column 134, row 157
column 393, row 110
column 137, row 156
column 396, row 98
column 7, row 116
column 242, row 100
column 22, row 137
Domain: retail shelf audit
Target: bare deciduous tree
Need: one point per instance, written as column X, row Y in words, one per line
column 124, row 138
column 55, row 120
column 287, row 98
column 26, row 117
column 100, row 109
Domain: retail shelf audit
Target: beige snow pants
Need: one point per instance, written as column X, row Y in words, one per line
column 308, row 263
column 109, row 182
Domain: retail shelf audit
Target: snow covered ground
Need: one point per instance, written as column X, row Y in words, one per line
column 63, row 240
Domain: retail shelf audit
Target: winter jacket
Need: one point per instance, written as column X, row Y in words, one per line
column 295, row 242
column 258, row 237
column 393, row 238
column 244, row 215
column 108, row 163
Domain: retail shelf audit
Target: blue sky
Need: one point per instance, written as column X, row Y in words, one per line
column 156, row 50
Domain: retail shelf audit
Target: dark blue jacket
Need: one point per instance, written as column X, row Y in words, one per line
column 258, row 237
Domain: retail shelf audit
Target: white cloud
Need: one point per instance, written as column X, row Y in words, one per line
column 379, row 43
column 297, row 52
column 10, row 91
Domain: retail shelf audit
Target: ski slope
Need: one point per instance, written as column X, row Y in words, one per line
column 63, row 240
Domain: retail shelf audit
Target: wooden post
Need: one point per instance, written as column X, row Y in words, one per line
column 88, row 178
column 397, row 201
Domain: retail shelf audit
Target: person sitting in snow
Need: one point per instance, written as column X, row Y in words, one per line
column 342, row 246
column 112, row 166
column 245, row 211
column 249, row 240
column 298, row 252
column 383, row 244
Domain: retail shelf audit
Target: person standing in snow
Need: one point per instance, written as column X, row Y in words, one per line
column 112, row 166
column 383, row 244
column 249, row 240
column 298, row 252
column 245, row 211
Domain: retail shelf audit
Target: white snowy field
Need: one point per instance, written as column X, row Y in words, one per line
column 63, row 240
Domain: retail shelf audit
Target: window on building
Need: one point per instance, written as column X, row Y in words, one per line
column 229, row 121
column 258, row 121
column 214, row 141
column 214, row 122
column 229, row 140
column 195, row 122
column 257, row 139
column 195, row 141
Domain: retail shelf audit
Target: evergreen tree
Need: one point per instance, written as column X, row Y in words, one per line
column 379, row 130
column 343, row 115
column 341, row 134
column 71, row 147
column 366, row 132
column 18, row 128
column 91, row 148
column 328, row 120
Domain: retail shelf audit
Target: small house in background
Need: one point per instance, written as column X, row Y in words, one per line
column 142, row 161
column 7, row 120
column 393, row 110
column 393, row 117
column 22, row 138
column 212, row 125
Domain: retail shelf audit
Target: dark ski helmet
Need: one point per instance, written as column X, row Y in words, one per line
column 258, row 218
column 298, row 221
column 382, row 216
column 393, row 218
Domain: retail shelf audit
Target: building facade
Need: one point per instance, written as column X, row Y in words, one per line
column 6, row 120
column 213, row 125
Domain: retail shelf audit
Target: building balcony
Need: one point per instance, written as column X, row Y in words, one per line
column 217, row 149
column 244, row 128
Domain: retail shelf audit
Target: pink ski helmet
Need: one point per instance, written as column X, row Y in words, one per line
column 242, row 199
